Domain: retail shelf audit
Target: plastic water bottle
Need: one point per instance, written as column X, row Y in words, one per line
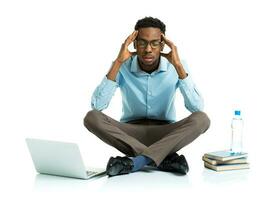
column 237, row 129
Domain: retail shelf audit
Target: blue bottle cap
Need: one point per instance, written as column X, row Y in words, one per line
column 237, row 112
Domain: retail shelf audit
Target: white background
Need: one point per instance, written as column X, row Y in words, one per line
column 54, row 53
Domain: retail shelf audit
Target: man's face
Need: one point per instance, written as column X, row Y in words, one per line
column 148, row 45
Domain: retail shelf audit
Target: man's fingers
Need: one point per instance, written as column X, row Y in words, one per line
column 134, row 35
column 167, row 41
column 131, row 38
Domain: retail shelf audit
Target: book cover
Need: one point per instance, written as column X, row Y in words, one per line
column 218, row 162
column 225, row 155
column 226, row 167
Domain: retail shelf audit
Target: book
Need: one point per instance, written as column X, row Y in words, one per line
column 225, row 155
column 224, row 167
column 218, row 162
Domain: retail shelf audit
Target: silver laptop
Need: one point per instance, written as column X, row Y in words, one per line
column 59, row 158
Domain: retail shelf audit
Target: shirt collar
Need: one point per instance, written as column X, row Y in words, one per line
column 163, row 65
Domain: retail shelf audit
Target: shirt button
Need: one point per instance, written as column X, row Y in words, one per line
column 149, row 92
column 149, row 107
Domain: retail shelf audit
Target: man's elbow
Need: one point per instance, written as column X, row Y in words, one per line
column 195, row 107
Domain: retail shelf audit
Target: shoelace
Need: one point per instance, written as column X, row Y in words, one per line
column 166, row 164
column 126, row 167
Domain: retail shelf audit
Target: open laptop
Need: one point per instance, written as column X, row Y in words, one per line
column 59, row 158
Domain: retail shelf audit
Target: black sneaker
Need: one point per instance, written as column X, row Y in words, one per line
column 119, row 165
column 174, row 163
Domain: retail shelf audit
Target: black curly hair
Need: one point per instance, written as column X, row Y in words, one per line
column 150, row 22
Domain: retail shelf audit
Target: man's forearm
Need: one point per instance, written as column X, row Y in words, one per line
column 181, row 71
column 114, row 70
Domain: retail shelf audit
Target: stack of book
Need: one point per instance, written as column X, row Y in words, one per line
column 225, row 160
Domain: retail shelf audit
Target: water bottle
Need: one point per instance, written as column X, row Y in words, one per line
column 237, row 129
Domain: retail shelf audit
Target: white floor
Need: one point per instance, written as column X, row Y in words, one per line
column 256, row 182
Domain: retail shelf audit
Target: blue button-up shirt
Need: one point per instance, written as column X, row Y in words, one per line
column 147, row 95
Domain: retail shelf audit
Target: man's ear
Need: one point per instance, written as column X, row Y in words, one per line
column 135, row 44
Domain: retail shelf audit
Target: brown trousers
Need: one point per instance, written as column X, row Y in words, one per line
column 153, row 138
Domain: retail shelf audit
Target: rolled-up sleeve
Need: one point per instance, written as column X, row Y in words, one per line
column 192, row 98
column 103, row 94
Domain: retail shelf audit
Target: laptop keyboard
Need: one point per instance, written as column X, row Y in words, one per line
column 90, row 173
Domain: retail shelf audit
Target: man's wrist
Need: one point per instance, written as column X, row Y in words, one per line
column 180, row 71
column 117, row 61
column 114, row 70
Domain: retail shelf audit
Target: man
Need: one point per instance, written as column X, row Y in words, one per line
column 147, row 133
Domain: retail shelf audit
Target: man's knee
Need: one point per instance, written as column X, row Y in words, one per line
column 91, row 118
column 200, row 120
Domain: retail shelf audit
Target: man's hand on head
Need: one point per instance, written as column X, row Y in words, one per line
column 124, row 53
column 173, row 57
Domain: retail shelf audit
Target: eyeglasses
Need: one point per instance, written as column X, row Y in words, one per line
column 143, row 43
